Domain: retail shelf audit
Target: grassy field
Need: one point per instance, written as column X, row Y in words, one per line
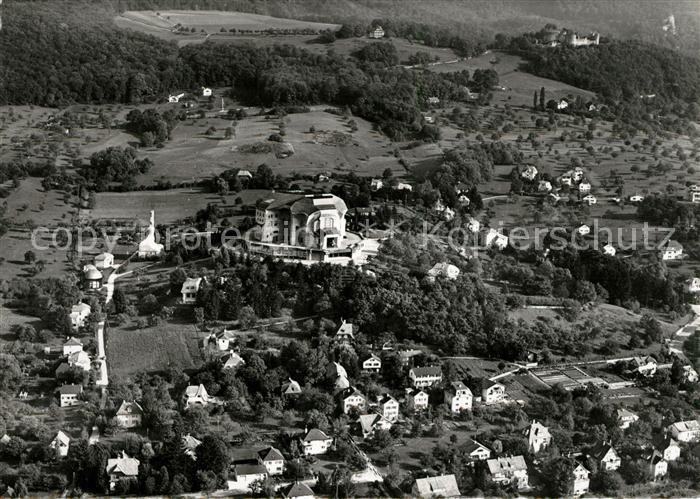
column 151, row 349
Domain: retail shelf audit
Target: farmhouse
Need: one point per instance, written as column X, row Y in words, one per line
column 197, row 395
column 377, row 32
column 436, row 486
column 425, row 376
column 60, row 444
column 175, row 97
column 609, row 250
column 272, row 459
column 476, row 451
column 149, row 248
column 78, row 314
column 247, row 474
column 189, row 290
column 562, row 104
column 644, row 366
column 92, row 277
column 685, row 431
column 584, row 187
column 443, row 269
column 473, row 225
column 316, row 442
column 505, row 470
column 68, row 395
column 402, row 186
column 304, row 227
column 690, row 375
column 372, row 364
column 376, row 184
column 529, row 173
column 636, row 198
column 433, row 100
column 72, row 345
column 122, row 468
column 458, row 397
column 606, row 456
column 129, row 415
column 104, row 261
column 673, row 250
column 544, row 186
column 538, row 437
column 244, row 175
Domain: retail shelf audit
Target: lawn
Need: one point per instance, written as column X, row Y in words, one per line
column 153, row 348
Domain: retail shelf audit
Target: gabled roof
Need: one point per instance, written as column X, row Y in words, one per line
column 270, row 454
column 80, row 308
column 682, row 426
column 190, row 443
column 250, row 469
column 351, row 391
column 420, row 372
column 70, row 390
column 125, row 465
column 368, row 421
column 73, row 342
column 61, row 438
column 537, row 430
column 506, row 464
column 624, row 414
column 601, row 450
column 437, row 486
column 291, row 387
column 334, row 369
column 458, row 385
column 232, row 360
column 129, row 408
column 314, row 434
column 473, row 446
column 345, row 329
column 486, row 383
column 193, row 391
column 298, row 489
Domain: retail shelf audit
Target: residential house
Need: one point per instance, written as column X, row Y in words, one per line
column 658, row 466
column 232, row 360
column 425, row 376
column 673, row 250
column 222, row 341
column 566, row 180
column 196, row 395
column 668, row 447
column 272, row 459
column 246, row 474
column 121, row 469
column 78, row 314
column 206, row 92
column 80, row 359
column 645, row 366
column 351, row 398
column 473, row 225
column 584, row 187
column 372, row 364
column 377, row 32
column 291, row 387
column 189, row 446
column 376, row 184
column 68, row 395
column 369, row 423
column 316, row 442
column 626, row 418
column 583, row 230
column 104, row 261
column 636, row 198
column 345, row 334
column 335, row 370
column 464, row 200
column 538, row 437
column 606, row 456
column 529, row 173
column 492, row 392
column 609, row 250
column 60, row 444
column 458, row 397
column 433, row 100
column 189, row 290
column 94, row 436
column 581, row 479
column 590, row 199
column 436, row 486
column 402, row 186
column 444, row 269
column 495, row 239
column 685, row 431
column 175, row 97
column 693, row 285
column 388, row 407
column 690, row 375
column 341, row 383
column 418, row 400
column 476, row 451
column 244, row 175
column 406, row 355
column 544, row 186
column 72, row 345
column 577, row 174
column 562, row 104
column 297, row 490
column 506, row 470
column 129, row 414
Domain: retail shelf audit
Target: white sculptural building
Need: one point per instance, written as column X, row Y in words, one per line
column 149, row 248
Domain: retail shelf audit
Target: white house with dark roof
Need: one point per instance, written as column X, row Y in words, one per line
column 316, row 442
column 122, row 468
column 377, row 33
column 352, row 398
column 693, row 285
column 673, row 250
column 538, row 437
column 345, row 334
column 606, row 456
column 589, row 199
column 422, row 377
column 68, row 395
column 129, row 414
column 690, row 375
column 609, row 250
column 668, row 447
column 645, row 366
column 492, row 392
column 476, row 451
column 297, row 490
column 272, row 459
column 369, row 423
column 658, row 467
column 529, row 173
column 685, row 431
column 418, row 400
column 625, row 418
column 509, row 469
column 581, row 479
column 436, row 486
column 72, row 345
column 376, row 184
column 495, row 239
column 388, row 407
column 291, row 387
column 458, row 397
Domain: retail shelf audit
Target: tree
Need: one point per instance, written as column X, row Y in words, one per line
column 29, row 257
column 606, row 482
column 213, row 455
column 559, row 477
column 10, row 372
column 120, row 301
column 177, row 279
column 542, row 98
